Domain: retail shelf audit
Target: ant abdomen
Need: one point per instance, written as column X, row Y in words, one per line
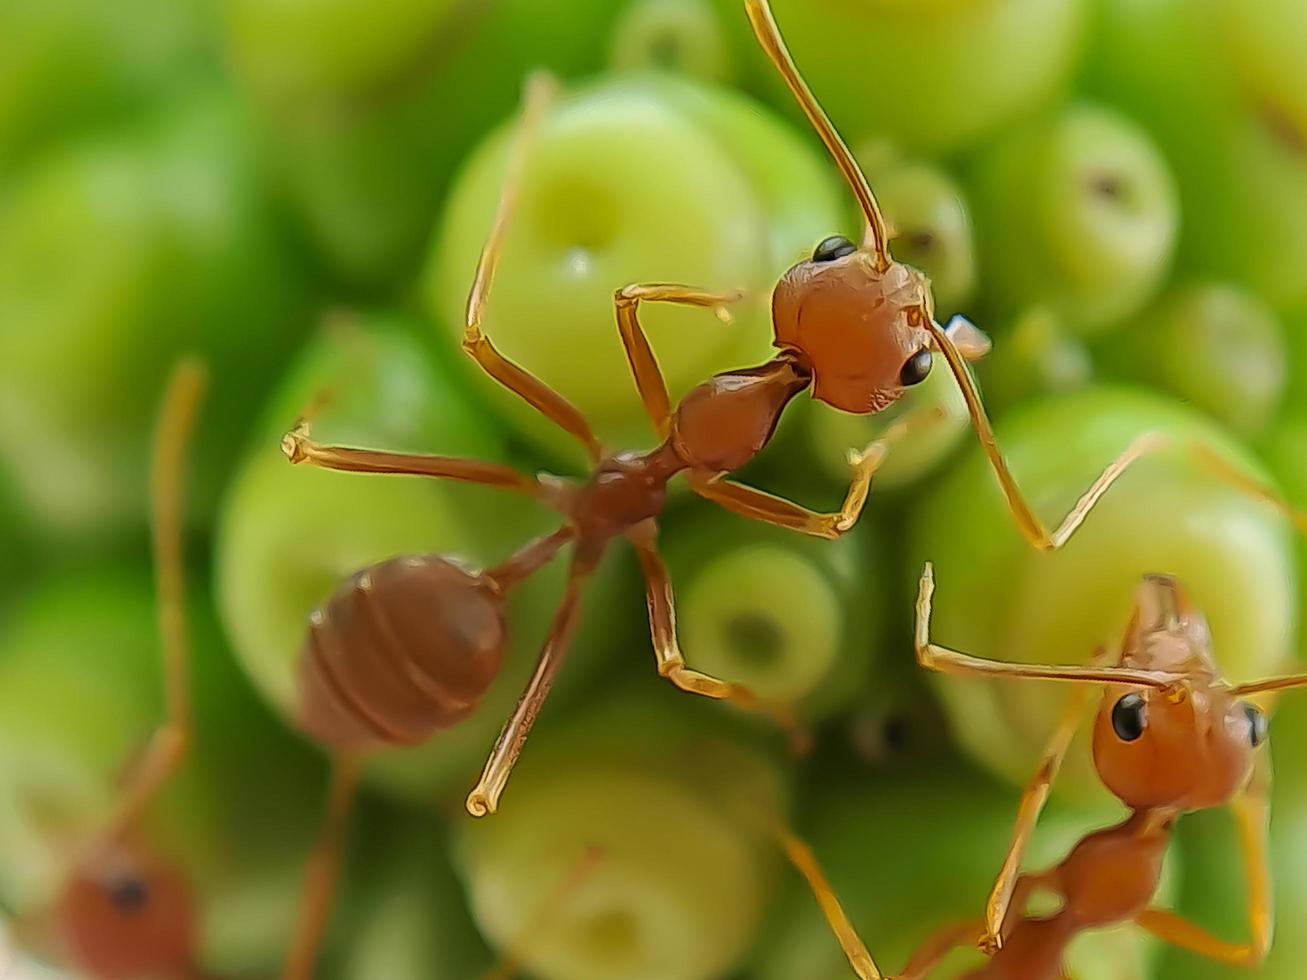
column 404, row 648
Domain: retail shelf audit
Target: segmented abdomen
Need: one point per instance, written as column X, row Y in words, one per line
column 404, row 648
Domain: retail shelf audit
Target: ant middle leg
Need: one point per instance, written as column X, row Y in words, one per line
column 537, row 394
column 640, row 356
column 671, row 662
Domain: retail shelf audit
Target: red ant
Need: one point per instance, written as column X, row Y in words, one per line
column 123, row 911
column 1171, row 737
column 409, row 645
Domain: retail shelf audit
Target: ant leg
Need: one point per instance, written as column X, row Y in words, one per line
column 671, row 662
column 759, row 505
column 938, row 945
column 1219, row 467
column 945, row 661
column 571, row 881
column 300, row 448
column 805, row 862
column 170, row 742
column 323, row 870
column 537, row 394
column 1252, row 817
column 1032, row 803
column 1027, row 521
column 644, row 366
column 484, row 798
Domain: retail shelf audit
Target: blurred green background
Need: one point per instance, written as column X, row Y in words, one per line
column 297, row 189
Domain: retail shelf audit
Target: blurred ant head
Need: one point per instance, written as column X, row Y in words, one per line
column 1189, row 745
column 857, row 324
column 125, row 914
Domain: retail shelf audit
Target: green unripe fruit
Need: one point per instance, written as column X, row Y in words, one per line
column 933, row 76
column 677, row 810
column 89, row 331
column 638, row 181
column 911, row 854
column 1076, row 212
column 1036, row 356
column 996, row 597
column 289, row 535
column 684, row 36
column 794, row 619
column 1213, row 345
column 1230, row 126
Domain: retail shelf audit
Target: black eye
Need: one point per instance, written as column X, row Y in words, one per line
column 835, row 247
column 1128, row 717
column 128, row 894
column 1258, row 726
column 917, row 369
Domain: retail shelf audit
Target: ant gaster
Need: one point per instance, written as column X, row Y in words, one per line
column 1170, row 737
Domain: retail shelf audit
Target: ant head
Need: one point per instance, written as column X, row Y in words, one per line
column 857, row 322
column 1188, row 745
column 125, row 913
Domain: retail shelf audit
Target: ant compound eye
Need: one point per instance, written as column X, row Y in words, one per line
column 917, row 369
column 835, row 247
column 128, row 894
column 1128, row 719
column 1258, row 726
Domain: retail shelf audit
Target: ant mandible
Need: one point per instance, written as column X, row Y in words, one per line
column 1171, row 736
column 122, row 910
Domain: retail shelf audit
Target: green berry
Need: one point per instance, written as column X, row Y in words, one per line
column 677, row 811
column 1214, row 345
column 998, row 598
column 637, row 181
column 1075, row 212
column 784, row 615
column 684, row 36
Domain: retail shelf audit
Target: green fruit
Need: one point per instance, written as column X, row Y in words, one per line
column 1075, row 212
column 785, row 615
column 997, row 597
column 932, row 231
column 289, row 535
column 1232, row 133
column 88, row 331
column 355, row 107
column 677, row 811
column 82, row 691
column 934, row 76
column 1036, row 356
column 913, row 853
column 1215, row 346
column 637, row 181
column 684, row 36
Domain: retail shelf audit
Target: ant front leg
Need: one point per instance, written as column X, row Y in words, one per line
column 516, row 379
column 938, row 945
column 759, row 505
column 1033, row 799
column 671, row 662
column 1252, row 818
column 640, row 356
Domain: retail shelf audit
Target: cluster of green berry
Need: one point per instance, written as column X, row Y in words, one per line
column 1116, row 190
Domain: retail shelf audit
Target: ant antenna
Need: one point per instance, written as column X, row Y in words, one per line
column 769, row 36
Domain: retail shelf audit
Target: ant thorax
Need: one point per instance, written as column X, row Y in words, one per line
column 855, row 326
